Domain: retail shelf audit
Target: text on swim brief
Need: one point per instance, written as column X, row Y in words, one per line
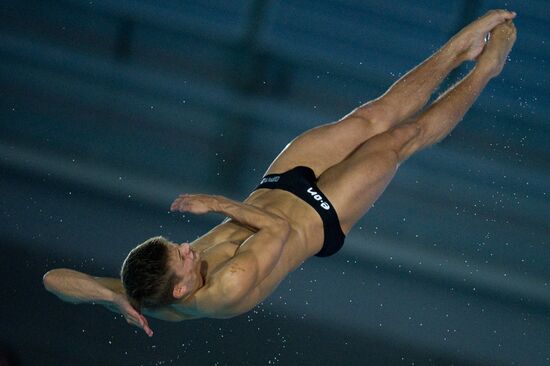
column 270, row 179
column 317, row 197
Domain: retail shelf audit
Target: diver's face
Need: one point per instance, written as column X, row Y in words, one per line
column 185, row 263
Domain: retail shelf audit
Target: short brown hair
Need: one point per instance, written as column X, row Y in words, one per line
column 146, row 276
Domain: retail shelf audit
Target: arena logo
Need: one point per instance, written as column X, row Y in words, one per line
column 317, row 197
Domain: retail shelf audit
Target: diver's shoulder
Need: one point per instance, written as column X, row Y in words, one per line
column 214, row 301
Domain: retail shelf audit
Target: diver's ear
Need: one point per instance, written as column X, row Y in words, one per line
column 179, row 291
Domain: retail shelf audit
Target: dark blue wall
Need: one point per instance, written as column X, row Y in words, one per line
column 109, row 109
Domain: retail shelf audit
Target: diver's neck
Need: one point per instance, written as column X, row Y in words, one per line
column 189, row 301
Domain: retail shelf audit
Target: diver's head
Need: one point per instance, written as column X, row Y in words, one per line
column 158, row 273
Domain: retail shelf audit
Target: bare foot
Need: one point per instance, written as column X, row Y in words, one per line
column 470, row 41
column 498, row 47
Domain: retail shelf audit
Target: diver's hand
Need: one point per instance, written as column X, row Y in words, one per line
column 121, row 305
column 195, row 203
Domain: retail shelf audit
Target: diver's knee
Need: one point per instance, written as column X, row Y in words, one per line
column 405, row 140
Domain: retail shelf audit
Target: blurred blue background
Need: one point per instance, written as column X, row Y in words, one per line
column 109, row 109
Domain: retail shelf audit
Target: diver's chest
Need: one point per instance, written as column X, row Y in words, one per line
column 217, row 255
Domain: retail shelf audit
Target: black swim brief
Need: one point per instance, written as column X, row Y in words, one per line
column 300, row 181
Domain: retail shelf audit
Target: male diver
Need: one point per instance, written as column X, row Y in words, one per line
column 319, row 186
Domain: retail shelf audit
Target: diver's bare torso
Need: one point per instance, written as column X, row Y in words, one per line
column 222, row 243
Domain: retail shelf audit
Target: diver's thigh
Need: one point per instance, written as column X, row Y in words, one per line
column 324, row 146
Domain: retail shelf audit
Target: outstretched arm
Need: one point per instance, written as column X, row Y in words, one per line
column 248, row 215
column 77, row 287
column 412, row 91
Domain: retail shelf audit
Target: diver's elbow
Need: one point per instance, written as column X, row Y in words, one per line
column 51, row 279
